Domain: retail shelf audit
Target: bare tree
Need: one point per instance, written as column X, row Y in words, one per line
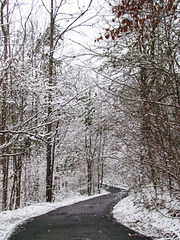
column 54, row 40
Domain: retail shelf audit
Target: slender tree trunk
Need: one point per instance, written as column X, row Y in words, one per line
column 102, row 159
column 99, row 160
column 18, row 182
column 4, row 28
column 53, row 154
column 49, row 111
column 89, row 165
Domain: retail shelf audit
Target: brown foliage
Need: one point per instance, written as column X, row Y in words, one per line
column 141, row 16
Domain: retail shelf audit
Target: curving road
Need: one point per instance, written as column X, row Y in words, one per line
column 87, row 220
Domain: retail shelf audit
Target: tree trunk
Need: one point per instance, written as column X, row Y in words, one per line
column 49, row 169
column 18, row 182
column 89, row 165
column 4, row 81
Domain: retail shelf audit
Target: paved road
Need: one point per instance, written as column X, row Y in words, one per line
column 87, row 220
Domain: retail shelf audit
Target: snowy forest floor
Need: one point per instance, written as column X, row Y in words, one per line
column 158, row 218
column 148, row 219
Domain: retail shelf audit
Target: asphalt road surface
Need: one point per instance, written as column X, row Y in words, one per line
column 87, row 220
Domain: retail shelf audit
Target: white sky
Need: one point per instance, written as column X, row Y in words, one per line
column 84, row 34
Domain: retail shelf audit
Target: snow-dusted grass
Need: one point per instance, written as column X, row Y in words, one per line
column 148, row 216
column 11, row 219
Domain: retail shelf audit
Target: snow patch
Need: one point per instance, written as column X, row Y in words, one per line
column 150, row 221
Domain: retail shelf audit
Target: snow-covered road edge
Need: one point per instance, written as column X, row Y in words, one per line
column 9, row 220
column 147, row 222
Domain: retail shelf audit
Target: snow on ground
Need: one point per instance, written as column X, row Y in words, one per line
column 152, row 220
column 11, row 219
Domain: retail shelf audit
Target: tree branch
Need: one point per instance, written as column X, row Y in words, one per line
column 75, row 20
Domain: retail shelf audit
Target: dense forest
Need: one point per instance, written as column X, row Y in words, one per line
column 89, row 94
